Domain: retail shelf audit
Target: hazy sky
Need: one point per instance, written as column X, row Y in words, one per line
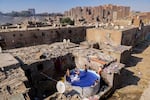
column 62, row 5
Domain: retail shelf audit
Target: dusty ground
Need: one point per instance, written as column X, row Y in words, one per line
column 136, row 75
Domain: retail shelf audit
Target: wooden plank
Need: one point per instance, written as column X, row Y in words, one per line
column 99, row 61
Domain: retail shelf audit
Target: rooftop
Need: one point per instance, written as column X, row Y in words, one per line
column 117, row 27
column 35, row 28
column 32, row 54
column 7, row 59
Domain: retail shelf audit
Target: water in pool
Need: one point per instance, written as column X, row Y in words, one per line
column 83, row 78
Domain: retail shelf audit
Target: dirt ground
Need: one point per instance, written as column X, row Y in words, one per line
column 136, row 76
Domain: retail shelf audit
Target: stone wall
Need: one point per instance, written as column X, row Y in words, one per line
column 133, row 36
column 15, row 39
column 147, row 32
column 103, row 35
column 128, row 37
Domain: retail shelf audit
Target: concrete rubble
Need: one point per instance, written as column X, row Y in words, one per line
column 12, row 77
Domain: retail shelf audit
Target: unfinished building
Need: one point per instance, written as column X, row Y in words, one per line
column 43, row 63
column 117, row 40
column 53, row 60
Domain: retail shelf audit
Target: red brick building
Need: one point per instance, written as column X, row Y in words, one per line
column 104, row 13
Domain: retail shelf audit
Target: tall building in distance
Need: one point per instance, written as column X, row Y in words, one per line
column 99, row 13
column 32, row 11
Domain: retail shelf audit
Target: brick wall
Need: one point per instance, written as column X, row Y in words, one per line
column 24, row 38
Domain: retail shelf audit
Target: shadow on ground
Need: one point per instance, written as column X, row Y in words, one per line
column 133, row 61
column 128, row 78
column 139, row 48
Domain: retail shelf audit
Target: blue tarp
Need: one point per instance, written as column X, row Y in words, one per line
column 86, row 78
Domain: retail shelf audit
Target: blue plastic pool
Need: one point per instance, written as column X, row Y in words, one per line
column 86, row 78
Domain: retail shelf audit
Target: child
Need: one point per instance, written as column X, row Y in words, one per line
column 74, row 76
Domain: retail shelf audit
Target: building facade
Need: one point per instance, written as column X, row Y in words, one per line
column 99, row 13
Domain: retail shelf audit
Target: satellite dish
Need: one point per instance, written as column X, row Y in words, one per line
column 60, row 86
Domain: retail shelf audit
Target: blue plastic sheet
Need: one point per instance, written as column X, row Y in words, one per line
column 86, row 78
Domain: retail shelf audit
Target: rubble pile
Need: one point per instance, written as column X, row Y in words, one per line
column 11, row 81
column 116, row 48
column 12, row 77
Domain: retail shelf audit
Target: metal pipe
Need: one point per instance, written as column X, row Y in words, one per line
column 48, row 77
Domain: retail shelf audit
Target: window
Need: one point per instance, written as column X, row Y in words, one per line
column 35, row 36
column 108, row 13
column 43, row 34
column 90, row 12
column 21, row 35
column 14, row 35
column 70, row 31
column 73, row 58
column 1, row 38
column 103, row 13
column 96, row 46
column 57, row 32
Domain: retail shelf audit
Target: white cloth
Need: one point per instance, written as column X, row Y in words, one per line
column 74, row 78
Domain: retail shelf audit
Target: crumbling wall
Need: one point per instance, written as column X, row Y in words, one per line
column 12, row 80
column 54, row 68
column 103, row 35
column 146, row 32
column 129, row 36
column 132, row 37
column 14, row 39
